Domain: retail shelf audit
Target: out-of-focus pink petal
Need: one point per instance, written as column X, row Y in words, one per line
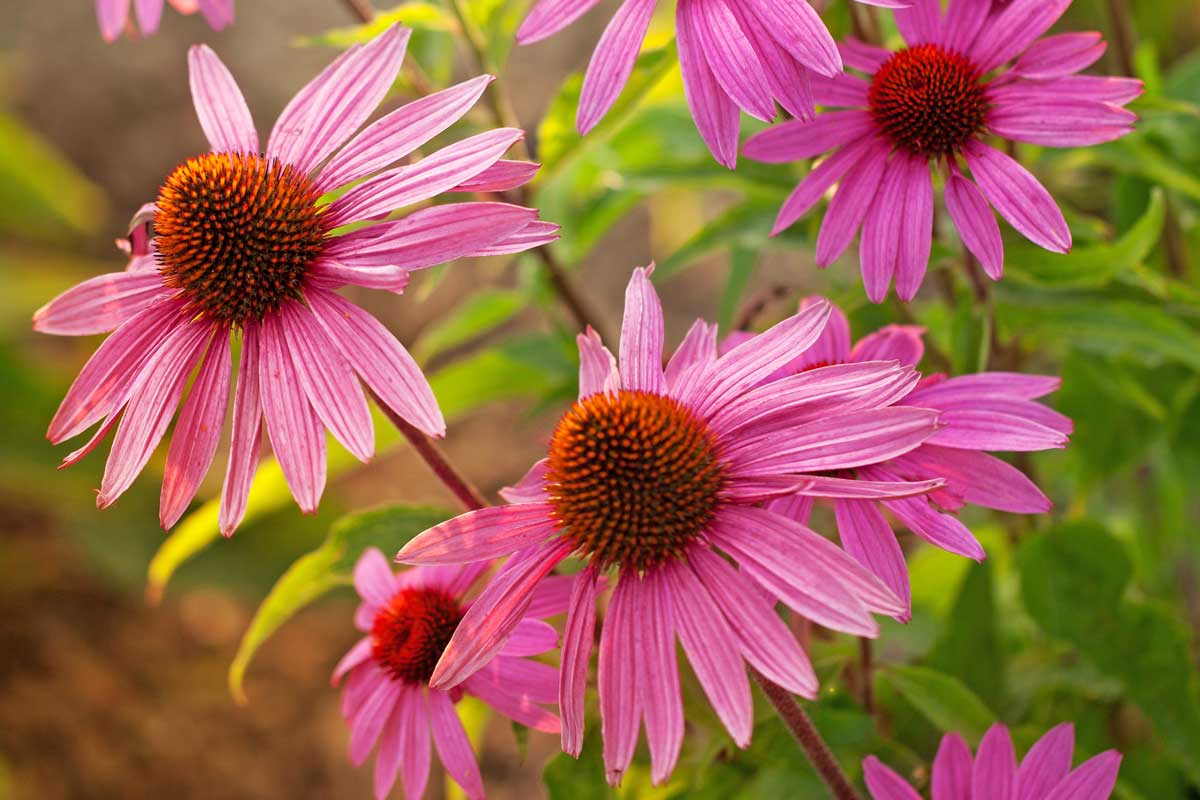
column 548, row 17
column 246, row 440
column 453, row 746
column 112, row 15
column 995, row 773
column 952, row 768
column 217, row 13
column 368, row 720
column 354, row 656
column 884, row 783
column 409, row 749
column 498, row 694
column 222, row 110
column 373, row 578
column 612, row 61
column 576, row 652
column 552, row 596
column 1047, row 763
column 482, row 535
column 531, row 637
column 194, row 442
column 1094, row 779
column 902, row 343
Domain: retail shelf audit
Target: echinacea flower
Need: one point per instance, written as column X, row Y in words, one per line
column 242, row 243
column 408, row 618
column 734, row 55
column 993, row 773
column 980, row 70
column 987, row 411
column 653, row 475
column 113, row 15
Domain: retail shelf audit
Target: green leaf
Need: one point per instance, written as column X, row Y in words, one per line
column 1073, row 583
column 943, row 699
column 742, row 263
column 329, row 566
column 1094, row 265
column 745, row 225
column 970, row 648
column 480, row 314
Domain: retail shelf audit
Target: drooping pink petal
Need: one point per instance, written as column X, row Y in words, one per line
column 849, row 206
column 436, row 173
column 867, row 536
column 379, row 359
column 430, row 236
column 712, row 649
column 1046, row 763
column 495, row 613
column 333, row 105
column 369, row 718
column 328, row 381
column 976, row 223
column 612, row 62
column 884, row 783
column 880, row 248
column 194, row 442
column 658, row 672
column 642, row 335
column 995, row 774
column 246, row 440
column 222, row 110
column 576, row 652
column 787, row 79
column 482, row 535
column 916, row 232
column 795, row 140
column 1018, row 196
column 453, row 746
column 548, row 17
column 765, row 641
column 362, row 684
column 99, row 304
column 715, row 114
column 617, row 680
column 396, row 135
column 1094, row 779
column 297, row 435
column 732, row 58
column 799, row 29
column 155, row 395
column 952, row 767
column 409, row 749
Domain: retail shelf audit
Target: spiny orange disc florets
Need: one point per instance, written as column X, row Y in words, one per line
column 929, row 101
column 633, row 477
column 236, row 233
column 411, row 631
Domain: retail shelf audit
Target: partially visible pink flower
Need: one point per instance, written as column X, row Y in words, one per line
column 113, row 15
column 993, row 774
column 408, row 618
column 987, row 411
column 241, row 243
column 978, row 70
column 747, row 54
column 654, row 474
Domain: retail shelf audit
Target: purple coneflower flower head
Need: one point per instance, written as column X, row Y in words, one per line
column 978, row 70
column 239, row 241
column 656, row 476
column 408, row 618
column 113, row 15
column 993, row 773
column 734, row 55
column 987, row 411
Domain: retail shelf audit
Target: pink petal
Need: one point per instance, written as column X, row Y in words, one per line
column 995, row 773
column 502, row 176
column 975, row 222
column 333, row 105
column 732, row 58
column 867, row 536
column 354, row 656
column 952, row 768
column 112, row 15
column 155, row 395
column 920, row 22
column 1019, row 198
column 518, row 707
column 597, row 367
column 881, row 245
column 1012, row 29
column 373, row 578
column 970, row 388
column 533, row 235
column 658, row 672
column 531, row 637
column 799, row 29
column 405, row 744
column 194, row 442
column 369, row 718
column 453, row 746
column 1059, row 55
column 246, row 441
column 695, row 353
column 552, row 596
column 1046, row 763
column 916, row 232
column 982, row 479
column 223, row 113
column 986, row 429
column 329, row 274
column 963, row 23
column 522, row 678
column 1061, row 122
column 861, row 56
column 576, row 652
column 379, row 359
column 642, row 335
column 328, row 381
column 1094, row 779
column 297, row 435
column 612, row 62
column 712, row 649
column 99, row 304
column 942, row 530
column 902, row 343
column 849, row 206
column 620, row 700
column 495, row 613
column 715, row 114
column 884, row 783
column 392, row 137
column 820, row 180
column 217, row 13
column 548, row 17
column 531, row 488
column 796, row 140
column 482, row 535
column 787, row 79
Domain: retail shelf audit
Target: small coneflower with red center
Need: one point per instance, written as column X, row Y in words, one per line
column 994, row 774
column 656, row 477
column 987, row 411
column 979, row 70
column 113, row 15
column 242, row 242
column 734, row 55
column 408, row 619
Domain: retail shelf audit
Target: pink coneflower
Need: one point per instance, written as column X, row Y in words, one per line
column 408, row 619
column 114, row 14
column 972, row 73
column 988, row 411
column 733, row 55
column 993, row 774
column 243, row 244
column 653, row 475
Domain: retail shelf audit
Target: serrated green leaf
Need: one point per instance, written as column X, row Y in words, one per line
column 943, row 699
column 329, row 566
